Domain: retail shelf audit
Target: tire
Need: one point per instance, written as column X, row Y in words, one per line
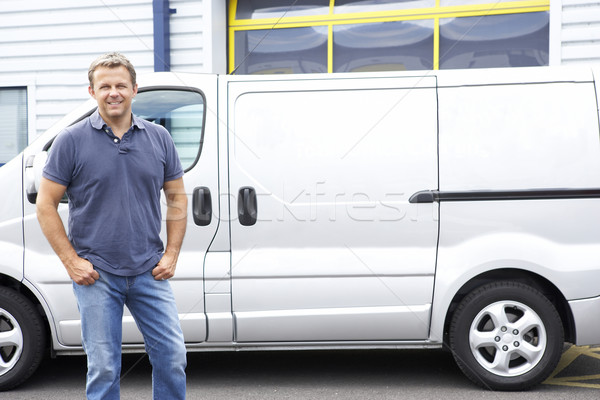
column 22, row 338
column 506, row 336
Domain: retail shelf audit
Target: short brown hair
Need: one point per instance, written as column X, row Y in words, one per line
column 111, row 60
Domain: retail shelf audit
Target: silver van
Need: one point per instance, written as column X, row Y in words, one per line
column 430, row 209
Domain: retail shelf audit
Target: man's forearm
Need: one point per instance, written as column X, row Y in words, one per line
column 54, row 230
column 81, row 271
column 176, row 222
column 176, row 226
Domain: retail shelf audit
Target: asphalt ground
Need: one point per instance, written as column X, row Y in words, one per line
column 378, row 374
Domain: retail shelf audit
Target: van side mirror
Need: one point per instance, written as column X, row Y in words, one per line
column 33, row 174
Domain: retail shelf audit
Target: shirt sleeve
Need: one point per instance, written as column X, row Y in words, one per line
column 60, row 164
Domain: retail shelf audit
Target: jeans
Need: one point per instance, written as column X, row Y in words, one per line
column 152, row 305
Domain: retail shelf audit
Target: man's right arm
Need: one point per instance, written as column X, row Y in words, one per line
column 49, row 195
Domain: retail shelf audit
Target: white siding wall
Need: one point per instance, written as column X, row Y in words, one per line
column 580, row 33
column 48, row 45
column 186, row 36
column 198, row 36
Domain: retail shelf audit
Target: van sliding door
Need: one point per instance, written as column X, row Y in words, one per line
column 325, row 244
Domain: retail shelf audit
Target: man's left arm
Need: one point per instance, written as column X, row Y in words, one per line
column 176, row 225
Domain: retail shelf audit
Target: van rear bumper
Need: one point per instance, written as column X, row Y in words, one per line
column 586, row 314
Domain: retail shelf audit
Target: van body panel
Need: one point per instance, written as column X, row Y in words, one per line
column 503, row 76
column 518, row 136
column 343, row 324
column 585, row 313
column 53, row 342
column 217, row 289
column 545, row 237
column 336, row 241
column 11, row 225
column 538, row 136
column 354, row 210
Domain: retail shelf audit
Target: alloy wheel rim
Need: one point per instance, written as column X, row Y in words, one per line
column 508, row 338
column 11, row 342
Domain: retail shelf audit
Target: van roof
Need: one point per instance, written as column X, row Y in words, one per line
column 445, row 78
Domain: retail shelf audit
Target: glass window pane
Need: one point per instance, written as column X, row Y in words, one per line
column 257, row 9
column 353, row 6
column 13, row 124
column 511, row 40
column 181, row 112
column 387, row 46
column 281, row 51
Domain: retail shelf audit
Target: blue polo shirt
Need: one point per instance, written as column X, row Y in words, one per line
column 114, row 191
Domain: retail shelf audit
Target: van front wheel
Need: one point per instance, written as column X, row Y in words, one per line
column 506, row 336
column 22, row 338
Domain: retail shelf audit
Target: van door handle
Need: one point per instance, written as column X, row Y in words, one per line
column 247, row 207
column 202, row 206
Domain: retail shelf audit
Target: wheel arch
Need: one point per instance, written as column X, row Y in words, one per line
column 534, row 280
column 18, row 286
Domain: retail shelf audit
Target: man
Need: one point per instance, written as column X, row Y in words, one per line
column 112, row 165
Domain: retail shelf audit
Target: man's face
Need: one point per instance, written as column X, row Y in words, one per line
column 113, row 91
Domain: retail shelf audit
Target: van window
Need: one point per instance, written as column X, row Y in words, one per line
column 349, row 6
column 256, row 9
column 181, row 112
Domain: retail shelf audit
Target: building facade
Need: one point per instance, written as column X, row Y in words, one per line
column 47, row 46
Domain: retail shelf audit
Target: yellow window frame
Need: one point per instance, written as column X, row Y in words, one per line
column 330, row 20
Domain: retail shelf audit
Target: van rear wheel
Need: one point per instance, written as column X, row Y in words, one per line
column 506, row 336
column 22, row 338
